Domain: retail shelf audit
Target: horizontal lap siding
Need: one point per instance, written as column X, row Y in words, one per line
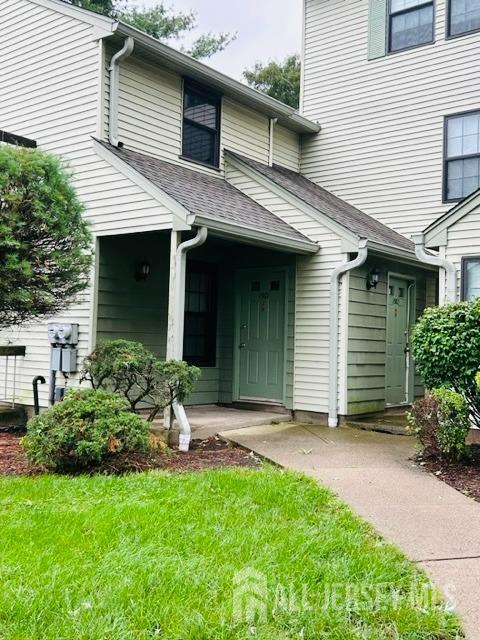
column 381, row 143
column 367, row 325
column 311, row 374
column 463, row 240
column 150, row 119
column 286, row 148
column 50, row 70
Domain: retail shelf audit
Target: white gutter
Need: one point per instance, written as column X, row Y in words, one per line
column 333, row 329
column 113, row 69
column 446, row 265
column 271, row 131
column 179, row 322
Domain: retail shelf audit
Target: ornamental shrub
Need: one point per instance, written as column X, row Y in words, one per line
column 441, row 421
column 45, row 244
column 446, row 349
column 88, row 427
column 130, row 369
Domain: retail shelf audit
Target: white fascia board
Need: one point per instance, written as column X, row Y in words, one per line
column 350, row 239
column 403, row 255
column 107, row 25
column 181, row 217
column 187, row 65
column 255, row 236
column 436, row 232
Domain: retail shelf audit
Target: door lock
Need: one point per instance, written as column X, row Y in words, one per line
column 242, row 345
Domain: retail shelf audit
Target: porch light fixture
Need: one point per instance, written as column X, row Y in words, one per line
column 373, row 278
column 142, row 271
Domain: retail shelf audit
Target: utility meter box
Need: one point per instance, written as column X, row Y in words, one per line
column 69, row 360
column 62, row 333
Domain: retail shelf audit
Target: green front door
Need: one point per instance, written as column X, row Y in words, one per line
column 261, row 335
column 398, row 325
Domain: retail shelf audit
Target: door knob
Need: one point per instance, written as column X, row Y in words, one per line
column 242, row 345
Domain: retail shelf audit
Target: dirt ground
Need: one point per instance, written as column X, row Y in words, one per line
column 212, row 453
column 464, row 477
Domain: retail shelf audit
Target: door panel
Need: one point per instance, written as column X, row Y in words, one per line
column 398, row 325
column 261, row 333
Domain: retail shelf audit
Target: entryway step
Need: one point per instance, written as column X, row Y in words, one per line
column 395, row 424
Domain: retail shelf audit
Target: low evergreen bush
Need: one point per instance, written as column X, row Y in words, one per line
column 85, row 429
column 130, row 369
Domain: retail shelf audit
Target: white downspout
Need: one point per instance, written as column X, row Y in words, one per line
column 113, row 69
column 179, row 322
column 333, row 329
column 271, row 133
column 446, row 265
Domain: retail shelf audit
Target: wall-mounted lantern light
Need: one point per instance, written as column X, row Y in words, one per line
column 373, row 278
column 142, row 271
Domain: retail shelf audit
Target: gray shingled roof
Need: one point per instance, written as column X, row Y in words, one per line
column 361, row 224
column 207, row 196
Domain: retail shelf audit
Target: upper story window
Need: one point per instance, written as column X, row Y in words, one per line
column 410, row 23
column 470, row 278
column 201, row 124
column 462, row 155
column 463, row 16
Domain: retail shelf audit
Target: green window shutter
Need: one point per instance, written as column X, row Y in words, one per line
column 377, row 28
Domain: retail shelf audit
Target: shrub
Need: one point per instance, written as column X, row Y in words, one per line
column 45, row 244
column 446, row 349
column 86, row 428
column 128, row 368
column 441, row 422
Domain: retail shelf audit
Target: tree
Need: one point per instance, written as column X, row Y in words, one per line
column 278, row 80
column 161, row 22
column 45, row 245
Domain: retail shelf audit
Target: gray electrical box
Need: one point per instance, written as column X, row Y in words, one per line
column 55, row 358
column 62, row 333
column 69, row 360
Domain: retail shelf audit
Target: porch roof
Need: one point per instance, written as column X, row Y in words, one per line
column 318, row 198
column 215, row 203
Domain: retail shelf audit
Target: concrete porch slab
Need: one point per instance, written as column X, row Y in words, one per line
column 208, row 420
column 434, row 524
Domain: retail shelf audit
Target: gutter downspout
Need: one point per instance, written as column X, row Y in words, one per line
column 333, row 329
column 113, row 69
column 271, row 128
column 446, row 265
column 179, row 322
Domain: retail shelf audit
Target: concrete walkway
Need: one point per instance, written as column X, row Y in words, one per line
column 434, row 524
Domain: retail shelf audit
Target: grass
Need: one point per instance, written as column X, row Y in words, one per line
column 155, row 556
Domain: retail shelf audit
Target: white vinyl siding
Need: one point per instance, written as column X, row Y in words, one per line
column 150, row 119
column 463, row 240
column 311, row 375
column 50, row 71
column 286, row 148
column 381, row 143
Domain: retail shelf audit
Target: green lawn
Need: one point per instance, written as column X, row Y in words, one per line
column 155, row 556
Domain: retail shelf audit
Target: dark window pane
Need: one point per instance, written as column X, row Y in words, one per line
column 275, row 285
column 255, row 285
column 201, row 134
column 200, row 110
column 464, row 16
column 200, row 331
column 411, row 28
column 463, row 177
column 471, row 274
column 199, row 144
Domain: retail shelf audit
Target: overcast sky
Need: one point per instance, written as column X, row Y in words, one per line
column 265, row 29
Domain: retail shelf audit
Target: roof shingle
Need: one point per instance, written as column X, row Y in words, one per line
column 205, row 195
column 361, row 224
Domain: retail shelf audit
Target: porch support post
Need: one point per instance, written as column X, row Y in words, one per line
column 176, row 318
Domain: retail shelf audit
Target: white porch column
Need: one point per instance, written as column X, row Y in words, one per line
column 175, row 240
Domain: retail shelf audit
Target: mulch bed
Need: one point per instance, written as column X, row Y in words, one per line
column 464, row 477
column 212, row 453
